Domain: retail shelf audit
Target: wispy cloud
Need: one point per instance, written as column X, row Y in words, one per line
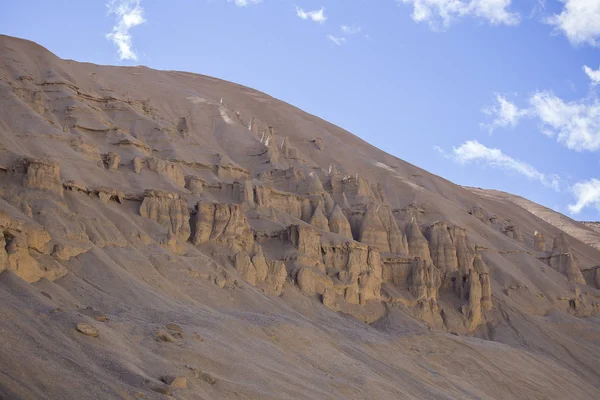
column 503, row 113
column 579, row 21
column 575, row 124
column 244, row 3
column 593, row 74
column 440, row 13
column 337, row 40
column 474, row 152
column 587, row 194
column 350, row 29
column 129, row 14
column 315, row 15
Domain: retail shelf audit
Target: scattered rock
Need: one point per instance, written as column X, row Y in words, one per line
column 164, row 336
column 174, row 327
column 87, row 329
column 162, row 389
column 176, row 382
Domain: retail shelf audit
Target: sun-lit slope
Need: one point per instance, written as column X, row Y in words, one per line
column 296, row 260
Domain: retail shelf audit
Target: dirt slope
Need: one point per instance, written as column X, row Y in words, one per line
column 163, row 223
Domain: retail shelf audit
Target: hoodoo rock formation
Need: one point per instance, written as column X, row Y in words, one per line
column 221, row 231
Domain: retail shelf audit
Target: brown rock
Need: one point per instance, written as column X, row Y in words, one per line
column 372, row 232
column 306, row 240
column 42, row 175
column 442, row 249
column 174, row 327
column 223, row 224
column 319, row 220
column 175, row 382
column 417, row 244
column 87, row 329
column 112, row 161
column 138, row 164
column 168, row 169
column 168, row 210
column 312, row 281
column 539, row 243
column 563, row 261
column 338, row 223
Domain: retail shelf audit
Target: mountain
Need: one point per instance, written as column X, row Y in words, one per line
column 168, row 233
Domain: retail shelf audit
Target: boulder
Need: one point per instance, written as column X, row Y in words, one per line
column 87, row 329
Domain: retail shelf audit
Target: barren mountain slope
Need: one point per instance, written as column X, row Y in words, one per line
column 162, row 225
column 583, row 231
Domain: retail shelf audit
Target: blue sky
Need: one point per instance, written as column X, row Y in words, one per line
column 487, row 93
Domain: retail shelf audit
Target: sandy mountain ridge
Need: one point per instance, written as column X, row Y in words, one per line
column 172, row 234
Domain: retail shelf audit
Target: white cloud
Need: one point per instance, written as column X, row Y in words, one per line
column 474, row 152
column 576, row 124
column 315, row 15
column 244, row 3
column 504, row 113
column 587, row 194
column 350, row 29
column 579, row 21
column 443, row 12
column 129, row 14
column 593, row 74
column 337, row 40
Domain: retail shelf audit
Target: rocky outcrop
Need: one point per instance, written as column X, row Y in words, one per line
column 294, row 205
column 112, row 160
column 424, row 281
column 484, row 277
column 442, row 248
column 319, row 220
column 223, row 224
column 563, row 261
column 478, row 292
column 338, row 223
column 42, row 175
column 306, row 240
column 514, row 232
column 372, row 232
column 417, row 244
column 396, row 238
column 138, row 164
column 243, row 191
column 539, row 243
column 21, row 244
column 167, row 169
column 311, row 281
column 358, row 269
column 168, row 210
column 464, row 250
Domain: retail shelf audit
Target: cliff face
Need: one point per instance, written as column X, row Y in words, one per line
column 277, row 240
